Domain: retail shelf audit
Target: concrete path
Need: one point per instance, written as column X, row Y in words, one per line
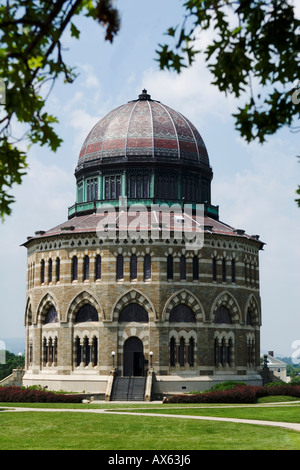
column 293, row 426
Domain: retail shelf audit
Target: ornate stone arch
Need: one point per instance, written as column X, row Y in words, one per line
column 252, row 307
column 47, row 301
column 81, row 299
column 133, row 295
column 28, row 313
column 227, row 300
column 183, row 297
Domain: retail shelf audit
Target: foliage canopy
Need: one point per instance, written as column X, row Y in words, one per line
column 254, row 52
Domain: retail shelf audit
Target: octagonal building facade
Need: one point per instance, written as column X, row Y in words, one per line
column 143, row 292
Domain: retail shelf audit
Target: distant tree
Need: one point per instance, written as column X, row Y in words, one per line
column 11, row 362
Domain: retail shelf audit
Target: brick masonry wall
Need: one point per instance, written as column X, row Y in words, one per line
column 109, row 296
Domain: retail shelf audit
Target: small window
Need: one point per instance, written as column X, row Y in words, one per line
column 214, row 269
column 98, row 267
column 120, row 267
column 92, row 189
column 170, row 267
column 112, row 186
column 147, row 267
column 182, row 267
column 233, row 270
column 224, row 270
column 86, row 268
column 42, row 271
column 57, row 269
column 74, row 268
column 172, row 352
column 133, row 267
column 195, row 268
column 50, row 270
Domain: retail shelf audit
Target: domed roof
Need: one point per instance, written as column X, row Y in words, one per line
column 144, row 128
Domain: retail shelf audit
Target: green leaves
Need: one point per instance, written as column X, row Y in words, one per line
column 31, row 55
column 254, row 52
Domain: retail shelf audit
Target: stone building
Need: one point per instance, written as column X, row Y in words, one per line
column 143, row 280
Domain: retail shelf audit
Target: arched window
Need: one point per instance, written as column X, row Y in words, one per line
column 51, row 315
column 86, row 313
column 86, row 268
column 57, row 269
column 214, row 269
column 181, row 352
column 222, row 315
column 191, row 348
column 98, row 267
column 42, row 271
column 120, row 267
column 195, row 268
column 172, row 352
column 249, row 317
column 224, row 270
column 182, row 313
column 133, row 267
column 94, row 351
column 233, row 270
column 170, row 267
column 182, row 267
column 147, row 267
column 78, row 352
column 74, row 273
column 50, row 270
column 133, row 312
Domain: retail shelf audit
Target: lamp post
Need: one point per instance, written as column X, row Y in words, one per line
column 113, row 358
column 20, row 355
column 151, row 354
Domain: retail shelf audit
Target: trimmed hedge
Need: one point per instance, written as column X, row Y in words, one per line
column 238, row 394
column 13, row 394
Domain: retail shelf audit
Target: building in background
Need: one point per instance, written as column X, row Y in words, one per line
column 143, row 285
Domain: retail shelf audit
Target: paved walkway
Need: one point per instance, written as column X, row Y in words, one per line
column 293, row 426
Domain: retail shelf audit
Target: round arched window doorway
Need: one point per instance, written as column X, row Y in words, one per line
column 133, row 357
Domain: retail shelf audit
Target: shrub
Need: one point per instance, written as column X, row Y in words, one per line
column 226, row 385
column 13, row 394
column 238, row 394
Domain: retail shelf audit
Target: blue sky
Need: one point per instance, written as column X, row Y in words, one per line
column 254, row 185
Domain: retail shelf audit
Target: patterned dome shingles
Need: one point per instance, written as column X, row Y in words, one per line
column 144, row 128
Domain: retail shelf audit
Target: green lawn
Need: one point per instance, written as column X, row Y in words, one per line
column 86, row 431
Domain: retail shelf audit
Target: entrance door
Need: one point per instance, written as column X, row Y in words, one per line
column 133, row 357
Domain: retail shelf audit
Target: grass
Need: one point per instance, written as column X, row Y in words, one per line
column 86, row 431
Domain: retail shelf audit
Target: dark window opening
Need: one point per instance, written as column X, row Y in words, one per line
column 86, row 268
column 170, row 267
column 222, row 315
column 182, row 313
column 133, row 312
column 98, row 267
column 195, row 268
column 120, row 267
column 51, row 316
column 182, row 267
column 86, row 313
column 74, row 268
column 147, row 267
column 133, row 267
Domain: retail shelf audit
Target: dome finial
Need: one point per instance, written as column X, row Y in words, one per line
column 144, row 95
